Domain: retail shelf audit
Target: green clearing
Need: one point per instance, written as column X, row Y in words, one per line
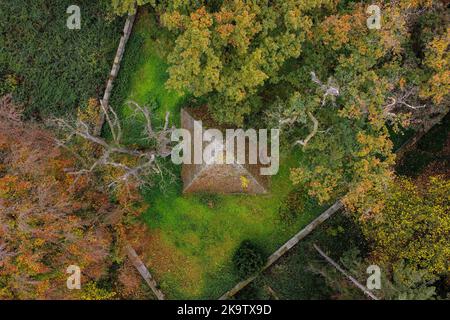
column 204, row 236
column 143, row 75
column 193, row 239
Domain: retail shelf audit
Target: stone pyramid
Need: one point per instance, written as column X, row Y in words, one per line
column 213, row 175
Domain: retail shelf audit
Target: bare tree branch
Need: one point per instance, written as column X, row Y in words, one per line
column 401, row 100
column 330, row 89
column 349, row 277
column 304, row 143
column 136, row 164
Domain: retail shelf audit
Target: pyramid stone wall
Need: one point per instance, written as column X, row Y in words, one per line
column 189, row 171
column 219, row 178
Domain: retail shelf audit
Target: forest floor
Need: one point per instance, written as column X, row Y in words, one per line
column 193, row 237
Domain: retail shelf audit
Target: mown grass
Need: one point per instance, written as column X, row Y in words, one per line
column 193, row 238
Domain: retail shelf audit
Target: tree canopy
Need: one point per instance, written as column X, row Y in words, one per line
column 337, row 88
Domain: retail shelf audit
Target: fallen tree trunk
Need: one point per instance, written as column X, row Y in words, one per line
column 114, row 71
column 324, row 216
column 286, row 247
column 139, row 265
column 349, row 277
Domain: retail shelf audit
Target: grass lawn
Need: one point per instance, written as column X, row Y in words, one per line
column 192, row 238
column 201, row 235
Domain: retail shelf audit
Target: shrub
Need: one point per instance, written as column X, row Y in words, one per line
column 54, row 69
column 209, row 199
column 292, row 206
column 92, row 292
column 8, row 83
column 248, row 259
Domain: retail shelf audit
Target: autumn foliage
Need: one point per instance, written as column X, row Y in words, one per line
column 49, row 219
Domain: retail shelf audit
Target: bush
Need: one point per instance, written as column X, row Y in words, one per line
column 8, row 83
column 248, row 259
column 54, row 69
column 91, row 291
column 293, row 205
column 209, row 199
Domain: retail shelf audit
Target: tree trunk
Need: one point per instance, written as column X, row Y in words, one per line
column 286, row 247
column 349, row 277
column 114, row 71
column 137, row 262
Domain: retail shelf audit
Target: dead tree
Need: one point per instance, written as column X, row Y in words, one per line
column 143, row 271
column 330, row 89
column 114, row 153
column 398, row 103
column 114, row 71
column 335, row 208
column 349, row 277
column 405, row 104
column 311, row 135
